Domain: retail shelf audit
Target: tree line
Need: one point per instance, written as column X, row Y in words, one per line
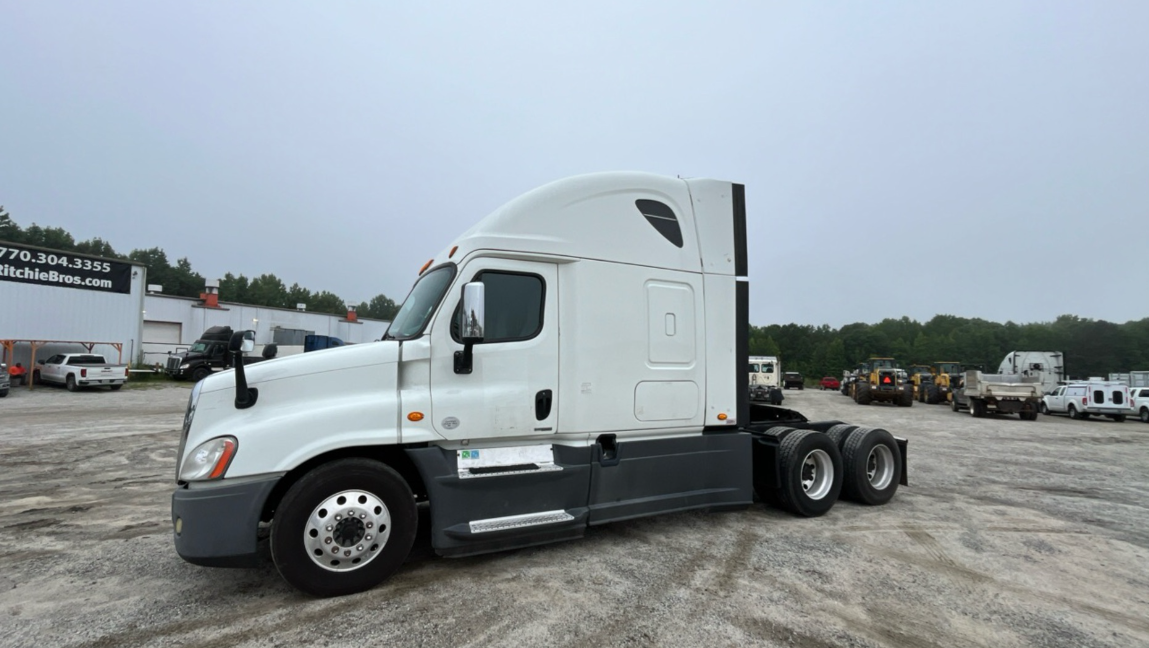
column 1091, row 347
column 181, row 280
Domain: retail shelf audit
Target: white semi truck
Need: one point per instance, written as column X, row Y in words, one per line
column 477, row 412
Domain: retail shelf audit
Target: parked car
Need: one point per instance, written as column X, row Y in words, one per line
column 830, row 382
column 1091, row 398
column 75, row 370
column 1139, row 398
column 793, row 380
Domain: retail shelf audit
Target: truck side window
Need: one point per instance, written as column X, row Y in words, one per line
column 514, row 307
column 1098, row 396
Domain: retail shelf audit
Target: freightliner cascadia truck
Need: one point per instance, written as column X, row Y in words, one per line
column 576, row 358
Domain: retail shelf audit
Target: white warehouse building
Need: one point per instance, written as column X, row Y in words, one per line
column 53, row 301
column 173, row 323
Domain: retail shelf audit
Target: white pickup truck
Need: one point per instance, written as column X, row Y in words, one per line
column 1090, row 398
column 982, row 394
column 75, row 370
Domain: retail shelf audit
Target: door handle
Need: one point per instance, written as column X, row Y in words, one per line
column 543, row 405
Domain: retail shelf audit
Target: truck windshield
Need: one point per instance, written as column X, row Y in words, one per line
column 416, row 311
column 199, row 347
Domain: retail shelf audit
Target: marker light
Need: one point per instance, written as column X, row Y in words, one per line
column 453, row 250
column 425, row 266
column 722, row 416
column 415, row 417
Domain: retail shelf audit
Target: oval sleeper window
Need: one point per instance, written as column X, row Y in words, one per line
column 662, row 217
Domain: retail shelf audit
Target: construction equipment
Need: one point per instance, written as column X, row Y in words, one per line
column 948, row 376
column 921, row 376
column 878, row 381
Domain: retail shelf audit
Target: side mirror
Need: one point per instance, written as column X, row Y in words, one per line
column 471, row 328
column 241, row 342
column 474, row 312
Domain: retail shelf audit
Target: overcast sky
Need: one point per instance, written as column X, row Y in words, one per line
column 981, row 159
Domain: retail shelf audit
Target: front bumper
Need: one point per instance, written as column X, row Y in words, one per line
column 216, row 525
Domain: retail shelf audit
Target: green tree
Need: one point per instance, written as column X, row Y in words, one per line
column 380, row 307
column 9, row 230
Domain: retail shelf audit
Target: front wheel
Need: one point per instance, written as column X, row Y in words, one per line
column 70, row 383
column 344, row 528
column 200, row 373
column 1145, row 414
column 1044, row 409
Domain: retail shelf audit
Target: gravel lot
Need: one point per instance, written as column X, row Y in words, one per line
column 1010, row 534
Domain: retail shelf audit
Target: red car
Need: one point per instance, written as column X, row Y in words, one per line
column 830, row 382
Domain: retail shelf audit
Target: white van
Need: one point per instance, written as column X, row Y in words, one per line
column 1092, row 398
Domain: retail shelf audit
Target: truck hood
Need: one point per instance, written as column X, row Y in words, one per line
column 308, row 364
column 306, row 405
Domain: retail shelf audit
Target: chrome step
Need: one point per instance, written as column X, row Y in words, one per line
column 519, row 521
column 467, row 474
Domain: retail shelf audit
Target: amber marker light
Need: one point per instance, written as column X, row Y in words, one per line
column 453, row 251
column 425, row 266
column 722, row 416
column 415, row 417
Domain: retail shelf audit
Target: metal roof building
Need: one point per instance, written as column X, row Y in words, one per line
column 52, row 301
column 50, row 298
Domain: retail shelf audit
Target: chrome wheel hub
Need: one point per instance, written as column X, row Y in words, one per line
column 880, row 467
column 817, row 474
column 347, row 530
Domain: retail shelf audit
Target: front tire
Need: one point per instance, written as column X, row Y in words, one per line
column 1044, row 409
column 862, row 394
column 1145, row 414
column 200, row 373
column 344, row 527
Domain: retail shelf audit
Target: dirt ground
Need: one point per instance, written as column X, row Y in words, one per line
column 1011, row 533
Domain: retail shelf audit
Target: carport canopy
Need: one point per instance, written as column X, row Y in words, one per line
column 9, row 345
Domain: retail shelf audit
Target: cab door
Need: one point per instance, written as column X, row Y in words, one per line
column 512, row 387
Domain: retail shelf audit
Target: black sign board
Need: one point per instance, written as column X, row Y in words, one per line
column 55, row 268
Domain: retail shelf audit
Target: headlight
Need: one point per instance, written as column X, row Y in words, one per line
column 209, row 460
column 184, row 367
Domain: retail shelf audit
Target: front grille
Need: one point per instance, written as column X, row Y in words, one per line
column 174, row 363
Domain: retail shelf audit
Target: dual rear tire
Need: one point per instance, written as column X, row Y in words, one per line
column 861, row 464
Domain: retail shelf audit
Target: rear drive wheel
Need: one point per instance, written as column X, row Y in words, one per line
column 70, row 383
column 977, row 407
column 862, row 394
column 906, row 398
column 343, row 528
column 811, row 468
column 932, row 396
column 872, row 466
